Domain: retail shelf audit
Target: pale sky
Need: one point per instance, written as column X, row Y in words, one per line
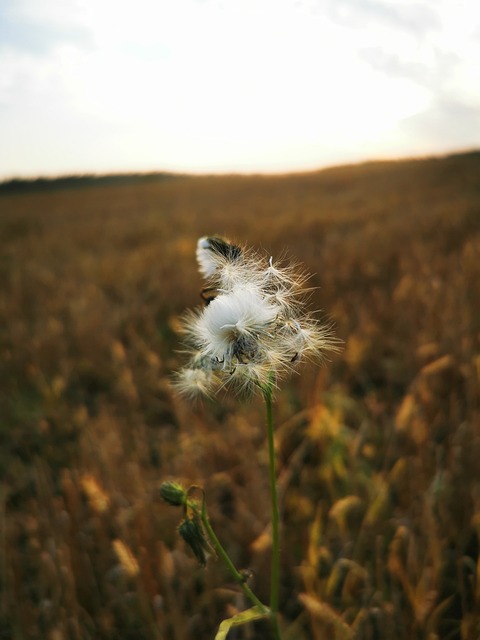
column 235, row 85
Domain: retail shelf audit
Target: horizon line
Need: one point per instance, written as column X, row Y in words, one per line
column 53, row 177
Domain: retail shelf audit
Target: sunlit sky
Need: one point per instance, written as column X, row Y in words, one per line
column 234, row 85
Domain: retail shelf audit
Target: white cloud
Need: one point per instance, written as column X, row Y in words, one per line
column 224, row 85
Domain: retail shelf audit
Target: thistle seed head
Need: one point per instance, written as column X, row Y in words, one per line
column 254, row 328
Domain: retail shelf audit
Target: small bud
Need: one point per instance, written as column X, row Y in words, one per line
column 246, row 574
column 192, row 532
column 173, row 493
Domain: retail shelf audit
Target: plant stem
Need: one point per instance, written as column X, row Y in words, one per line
column 237, row 576
column 275, row 569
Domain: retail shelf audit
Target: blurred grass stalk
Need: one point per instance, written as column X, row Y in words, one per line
column 275, row 567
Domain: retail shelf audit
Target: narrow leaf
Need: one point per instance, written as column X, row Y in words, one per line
column 241, row 618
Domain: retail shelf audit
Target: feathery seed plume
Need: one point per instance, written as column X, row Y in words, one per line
column 254, row 326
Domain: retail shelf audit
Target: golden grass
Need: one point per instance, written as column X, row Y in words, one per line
column 378, row 452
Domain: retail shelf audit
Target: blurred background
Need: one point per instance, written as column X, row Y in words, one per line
column 342, row 135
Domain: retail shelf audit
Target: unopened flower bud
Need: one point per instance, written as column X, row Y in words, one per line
column 173, row 493
column 191, row 531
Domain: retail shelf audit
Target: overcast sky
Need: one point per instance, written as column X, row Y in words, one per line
column 233, row 85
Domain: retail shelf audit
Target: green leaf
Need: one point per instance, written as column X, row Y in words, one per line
column 255, row 613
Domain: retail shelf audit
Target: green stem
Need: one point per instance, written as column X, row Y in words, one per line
column 237, row 576
column 275, row 569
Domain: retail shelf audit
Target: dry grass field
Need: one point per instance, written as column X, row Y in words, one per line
column 378, row 451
